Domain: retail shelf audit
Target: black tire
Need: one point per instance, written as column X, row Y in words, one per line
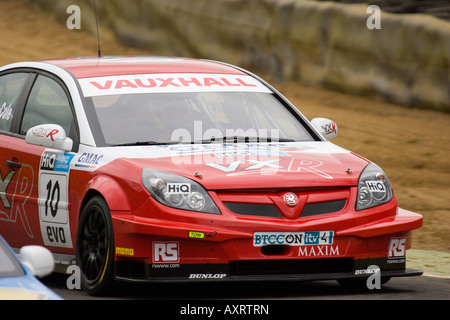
column 95, row 247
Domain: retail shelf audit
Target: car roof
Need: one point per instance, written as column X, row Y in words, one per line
column 89, row 67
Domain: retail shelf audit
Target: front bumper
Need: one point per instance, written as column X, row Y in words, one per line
column 175, row 245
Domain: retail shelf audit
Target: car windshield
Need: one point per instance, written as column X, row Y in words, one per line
column 200, row 117
column 9, row 265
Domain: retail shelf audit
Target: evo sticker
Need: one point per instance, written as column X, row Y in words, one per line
column 304, row 238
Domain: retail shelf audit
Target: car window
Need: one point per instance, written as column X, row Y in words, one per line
column 47, row 104
column 10, row 88
column 193, row 117
column 9, row 266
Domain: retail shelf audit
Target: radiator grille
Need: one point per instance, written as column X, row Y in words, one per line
column 269, row 210
column 252, row 209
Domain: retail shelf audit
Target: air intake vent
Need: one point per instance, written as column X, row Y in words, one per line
column 268, row 210
column 254, row 209
column 314, row 209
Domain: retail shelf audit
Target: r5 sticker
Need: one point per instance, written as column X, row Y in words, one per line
column 397, row 248
column 164, row 252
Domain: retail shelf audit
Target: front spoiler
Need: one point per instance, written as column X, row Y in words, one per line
column 276, row 278
column 265, row 270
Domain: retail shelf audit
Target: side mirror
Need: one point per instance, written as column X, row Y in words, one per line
column 38, row 260
column 327, row 128
column 50, row 136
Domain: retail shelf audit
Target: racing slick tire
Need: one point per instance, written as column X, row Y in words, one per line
column 95, row 247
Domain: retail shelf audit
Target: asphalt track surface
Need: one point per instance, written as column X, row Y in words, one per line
column 405, row 288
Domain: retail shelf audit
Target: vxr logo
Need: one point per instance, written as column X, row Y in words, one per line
column 274, row 165
column 23, row 190
column 4, row 183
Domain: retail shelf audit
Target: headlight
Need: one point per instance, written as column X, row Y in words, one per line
column 374, row 188
column 177, row 192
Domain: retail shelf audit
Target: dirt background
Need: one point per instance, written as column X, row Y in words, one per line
column 411, row 145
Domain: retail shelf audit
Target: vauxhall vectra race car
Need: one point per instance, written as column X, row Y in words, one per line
column 156, row 169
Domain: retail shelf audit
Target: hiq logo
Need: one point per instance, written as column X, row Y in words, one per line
column 48, row 160
column 376, row 186
column 178, row 188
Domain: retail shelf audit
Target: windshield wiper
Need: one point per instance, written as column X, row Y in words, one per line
column 235, row 139
column 229, row 139
column 145, row 143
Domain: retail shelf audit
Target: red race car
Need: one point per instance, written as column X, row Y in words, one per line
column 156, row 169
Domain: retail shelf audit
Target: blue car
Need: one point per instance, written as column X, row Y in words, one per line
column 18, row 273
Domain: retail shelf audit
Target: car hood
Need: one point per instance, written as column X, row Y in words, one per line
column 258, row 165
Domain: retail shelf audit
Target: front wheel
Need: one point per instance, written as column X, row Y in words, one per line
column 95, row 247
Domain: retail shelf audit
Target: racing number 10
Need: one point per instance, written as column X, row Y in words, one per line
column 53, row 195
column 53, row 198
column 54, row 210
